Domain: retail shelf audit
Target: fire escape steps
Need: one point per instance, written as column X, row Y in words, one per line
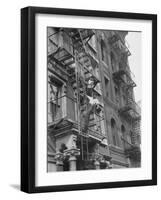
column 114, row 42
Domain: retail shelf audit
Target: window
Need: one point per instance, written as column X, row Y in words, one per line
column 117, row 94
column 103, row 50
column 120, row 66
column 112, row 62
column 106, row 86
column 133, row 138
column 114, row 131
column 124, row 99
column 123, row 130
column 54, row 102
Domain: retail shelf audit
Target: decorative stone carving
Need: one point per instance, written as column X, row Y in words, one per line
column 72, row 154
column 59, row 157
column 64, row 89
column 97, row 159
column 96, row 149
column 104, row 141
column 74, row 139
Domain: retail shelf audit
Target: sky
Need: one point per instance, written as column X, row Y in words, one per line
column 134, row 44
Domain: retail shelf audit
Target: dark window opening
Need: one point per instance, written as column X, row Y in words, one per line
column 106, row 86
column 112, row 62
column 117, row 94
column 114, row 131
column 123, row 130
column 103, row 50
column 54, row 101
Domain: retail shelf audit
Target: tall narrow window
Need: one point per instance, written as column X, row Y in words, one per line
column 54, row 101
column 106, row 86
column 120, row 66
column 114, row 131
column 117, row 94
column 124, row 99
column 112, row 62
column 133, row 138
column 103, row 50
column 123, row 135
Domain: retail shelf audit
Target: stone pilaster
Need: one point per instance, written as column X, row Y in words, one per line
column 72, row 157
column 97, row 158
column 59, row 157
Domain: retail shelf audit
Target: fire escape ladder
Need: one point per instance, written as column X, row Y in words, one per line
column 78, row 64
column 129, row 110
column 82, row 75
column 80, row 86
column 123, row 75
column 118, row 43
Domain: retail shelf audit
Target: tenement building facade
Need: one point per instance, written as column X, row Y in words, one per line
column 93, row 119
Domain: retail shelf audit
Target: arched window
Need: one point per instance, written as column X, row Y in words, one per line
column 114, row 131
column 54, row 100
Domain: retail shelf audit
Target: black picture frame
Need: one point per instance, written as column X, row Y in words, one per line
column 28, row 98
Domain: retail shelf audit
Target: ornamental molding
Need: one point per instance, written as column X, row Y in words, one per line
column 59, row 157
column 71, row 152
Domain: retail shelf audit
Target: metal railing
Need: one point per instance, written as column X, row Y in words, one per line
column 118, row 42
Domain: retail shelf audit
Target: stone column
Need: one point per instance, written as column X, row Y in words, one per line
column 72, row 163
column 72, row 155
column 59, row 161
column 97, row 159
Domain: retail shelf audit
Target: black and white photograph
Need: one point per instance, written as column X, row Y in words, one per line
column 88, row 99
column 94, row 98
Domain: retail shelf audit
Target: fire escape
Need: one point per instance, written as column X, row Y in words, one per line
column 77, row 63
column 123, row 78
